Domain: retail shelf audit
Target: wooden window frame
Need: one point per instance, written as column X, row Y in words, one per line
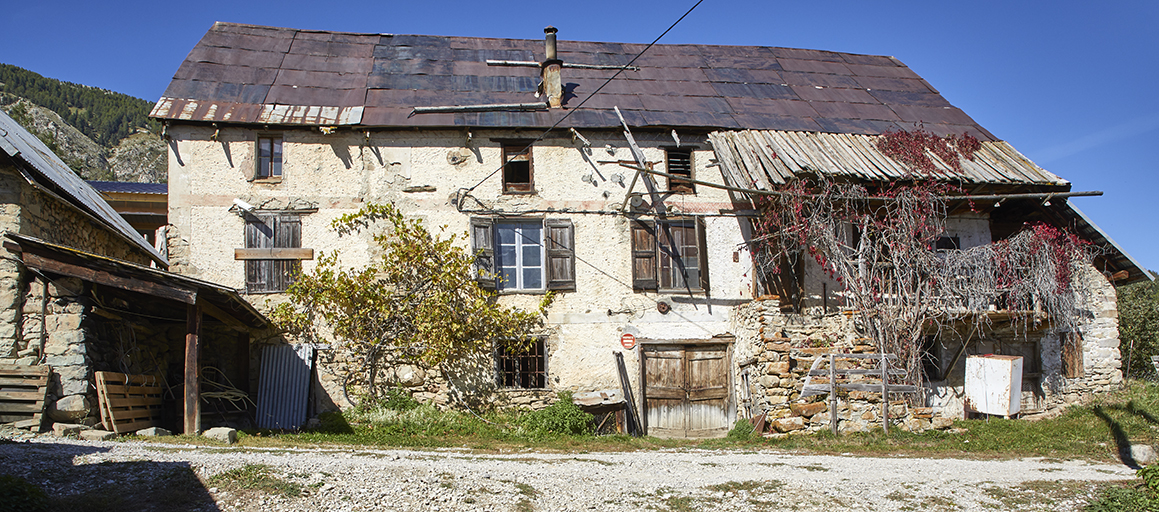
column 652, row 246
column 522, row 153
column 558, row 238
column 521, row 243
column 264, row 167
column 683, row 166
column 521, row 371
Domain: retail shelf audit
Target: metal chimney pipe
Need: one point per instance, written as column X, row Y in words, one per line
column 549, row 37
column 550, row 71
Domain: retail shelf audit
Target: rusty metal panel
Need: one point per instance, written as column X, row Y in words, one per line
column 229, row 74
column 284, row 386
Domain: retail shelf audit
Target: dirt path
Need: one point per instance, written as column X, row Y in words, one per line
column 151, row 476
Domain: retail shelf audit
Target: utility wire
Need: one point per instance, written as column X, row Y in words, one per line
column 593, row 94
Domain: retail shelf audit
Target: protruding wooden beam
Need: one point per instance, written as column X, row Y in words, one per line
column 192, row 370
column 274, row 253
column 219, row 314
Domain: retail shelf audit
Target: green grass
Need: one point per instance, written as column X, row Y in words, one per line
column 1092, row 432
column 256, row 477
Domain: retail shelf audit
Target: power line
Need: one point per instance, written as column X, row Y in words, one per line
column 590, row 96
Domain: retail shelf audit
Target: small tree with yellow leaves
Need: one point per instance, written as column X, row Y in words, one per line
column 417, row 301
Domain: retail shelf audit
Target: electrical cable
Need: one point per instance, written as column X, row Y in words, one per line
column 592, row 95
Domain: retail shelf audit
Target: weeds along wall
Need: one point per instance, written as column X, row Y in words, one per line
column 447, row 178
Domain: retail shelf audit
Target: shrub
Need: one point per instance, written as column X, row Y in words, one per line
column 743, row 430
column 19, row 495
column 563, row 418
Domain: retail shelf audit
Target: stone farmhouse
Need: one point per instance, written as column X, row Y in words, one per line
column 612, row 193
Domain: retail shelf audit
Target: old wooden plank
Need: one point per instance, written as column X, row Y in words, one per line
column 22, row 407
column 192, row 396
column 857, row 372
column 18, row 381
column 121, row 389
column 274, row 253
column 876, row 387
column 132, row 401
column 101, row 277
column 784, row 172
column 8, row 394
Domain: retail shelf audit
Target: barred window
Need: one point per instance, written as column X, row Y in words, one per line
column 521, row 367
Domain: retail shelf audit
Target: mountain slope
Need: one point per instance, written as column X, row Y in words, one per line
column 100, row 134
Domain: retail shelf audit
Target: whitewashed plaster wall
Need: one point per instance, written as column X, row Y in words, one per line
column 341, row 172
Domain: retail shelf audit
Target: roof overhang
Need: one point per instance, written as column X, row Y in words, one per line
column 222, row 303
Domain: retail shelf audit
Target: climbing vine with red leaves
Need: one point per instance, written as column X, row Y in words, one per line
column 879, row 247
column 914, row 147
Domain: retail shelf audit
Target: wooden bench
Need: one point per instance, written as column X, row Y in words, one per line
column 880, row 371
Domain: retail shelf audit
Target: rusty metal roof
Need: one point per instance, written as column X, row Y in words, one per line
column 49, row 171
column 265, row 75
column 764, row 158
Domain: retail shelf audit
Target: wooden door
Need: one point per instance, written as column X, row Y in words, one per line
column 686, row 391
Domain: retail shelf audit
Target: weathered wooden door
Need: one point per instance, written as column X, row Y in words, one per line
column 686, row 390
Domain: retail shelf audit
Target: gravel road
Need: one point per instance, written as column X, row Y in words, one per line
column 156, row 476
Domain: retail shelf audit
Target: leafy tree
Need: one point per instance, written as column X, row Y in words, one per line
column 418, row 299
column 1139, row 327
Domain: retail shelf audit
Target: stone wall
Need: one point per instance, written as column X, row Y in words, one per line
column 777, row 350
column 29, row 211
column 79, row 338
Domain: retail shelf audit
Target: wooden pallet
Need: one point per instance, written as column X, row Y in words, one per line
column 128, row 402
column 22, row 392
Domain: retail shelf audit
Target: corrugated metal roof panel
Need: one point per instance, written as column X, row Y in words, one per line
column 23, row 146
column 284, row 386
column 854, row 155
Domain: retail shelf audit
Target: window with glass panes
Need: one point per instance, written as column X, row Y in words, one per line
column 519, row 255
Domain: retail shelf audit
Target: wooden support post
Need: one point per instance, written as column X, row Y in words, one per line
column 832, row 395
column 884, row 394
column 192, row 369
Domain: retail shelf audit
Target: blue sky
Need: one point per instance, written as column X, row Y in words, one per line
column 1070, row 84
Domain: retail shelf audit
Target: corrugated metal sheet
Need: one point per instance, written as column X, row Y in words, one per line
column 251, row 74
column 764, row 158
column 129, row 187
column 284, row 388
column 46, row 166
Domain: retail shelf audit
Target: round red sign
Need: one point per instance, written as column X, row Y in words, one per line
column 628, row 340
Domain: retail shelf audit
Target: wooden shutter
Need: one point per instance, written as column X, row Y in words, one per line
column 287, row 234
column 483, row 243
column 702, row 249
column 279, row 231
column 259, row 234
column 1072, row 354
column 560, row 254
column 643, row 256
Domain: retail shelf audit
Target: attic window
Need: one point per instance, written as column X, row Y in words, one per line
column 517, row 170
column 269, row 160
column 680, row 164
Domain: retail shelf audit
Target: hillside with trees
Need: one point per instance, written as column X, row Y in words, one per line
column 100, row 134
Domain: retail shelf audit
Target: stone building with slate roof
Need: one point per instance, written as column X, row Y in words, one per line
column 275, row 132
